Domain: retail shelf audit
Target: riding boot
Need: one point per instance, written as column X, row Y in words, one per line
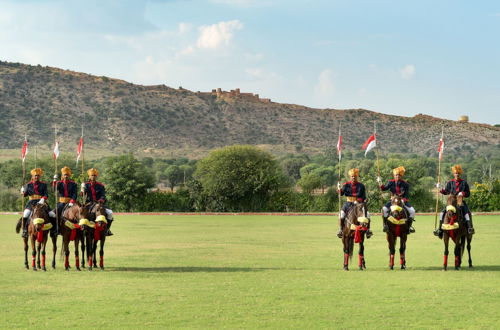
column 108, row 231
column 369, row 233
column 53, row 230
column 25, row 229
column 410, row 228
column 385, row 227
column 439, row 231
column 341, row 226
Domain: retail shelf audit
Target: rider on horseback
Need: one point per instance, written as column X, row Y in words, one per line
column 397, row 187
column 37, row 192
column 96, row 193
column 459, row 187
column 355, row 192
column 66, row 190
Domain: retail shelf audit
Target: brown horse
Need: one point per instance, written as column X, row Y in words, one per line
column 454, row 227
column 38, row 230
column 70, row 231
column 398, row 227
column 355, row 226
column 100, row 234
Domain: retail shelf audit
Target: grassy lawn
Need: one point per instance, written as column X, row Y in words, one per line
column 252, row 272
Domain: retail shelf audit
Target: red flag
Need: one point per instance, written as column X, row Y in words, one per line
column 441, row 147
column 370, row 143
column 79, row 150
column 24, row 152
column 339, row 146
column 56, row 150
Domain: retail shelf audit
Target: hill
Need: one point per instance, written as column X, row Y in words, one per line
column 118, row 115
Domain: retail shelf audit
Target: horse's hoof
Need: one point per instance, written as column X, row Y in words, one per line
column 34, row 269
column 102, row 267
column 78, row 269
column 403, row 267
column 90, row 269
column 44, row 269
column 26, row 266
column 360, row 267
column 346, row 268
column 391, row 267
column 457, row 268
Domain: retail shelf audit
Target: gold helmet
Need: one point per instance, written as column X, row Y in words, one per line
column 399, row 170
column 456, row 169
column 93, row 171
column 66, row 170
column 354, row 172
column 37, row 171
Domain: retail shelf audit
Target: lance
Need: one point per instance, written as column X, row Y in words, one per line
column 23, row 157
column 56, row 154
column 339, row 151
column 440, row 156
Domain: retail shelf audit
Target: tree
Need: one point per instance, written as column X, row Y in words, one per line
column 127, row 181
column 309, row 182
column 238, row 178
column 174, row 175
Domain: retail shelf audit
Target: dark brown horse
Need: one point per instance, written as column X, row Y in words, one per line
column 398, row 227
column 70, row 231
column 355, row 226
column 454, row 227
column 100, row 234
column 38, row 231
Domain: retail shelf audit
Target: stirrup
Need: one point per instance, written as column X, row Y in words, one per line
column 471, row 231
column 412, row 230
column 369, row 233
column 340, row 234
column 109, row 233
column 385, row 229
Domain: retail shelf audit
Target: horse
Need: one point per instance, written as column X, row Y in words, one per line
column 69, row 225
column 38, row 230
column 454, row 227
column 355, row 226
column 100, row 234
column 397, row 227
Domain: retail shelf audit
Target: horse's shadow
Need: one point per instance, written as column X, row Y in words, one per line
column 480, row 268
column 188, row 269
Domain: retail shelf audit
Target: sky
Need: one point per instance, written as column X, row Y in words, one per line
column 439, row 57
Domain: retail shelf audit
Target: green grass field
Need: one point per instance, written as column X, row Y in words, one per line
column 252, row 272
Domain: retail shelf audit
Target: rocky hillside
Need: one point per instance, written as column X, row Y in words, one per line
column 118, row 114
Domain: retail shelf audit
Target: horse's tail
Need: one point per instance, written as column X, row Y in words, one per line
column 351, row 246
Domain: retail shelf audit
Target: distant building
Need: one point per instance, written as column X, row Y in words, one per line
column 463, row 119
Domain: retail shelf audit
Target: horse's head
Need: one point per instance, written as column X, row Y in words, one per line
column 87, row 218
column 397, row 209
column 40, row 216
column 452, row 208
column 360, row 214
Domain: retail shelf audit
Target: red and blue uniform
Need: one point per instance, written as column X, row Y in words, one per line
column 353, row 189
column 36, row 190
column 95, row 191
column 67, row 193
column 456, row 186
column 400, row 187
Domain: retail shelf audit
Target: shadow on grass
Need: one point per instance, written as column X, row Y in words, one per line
column 481, row 268
column 188, row 269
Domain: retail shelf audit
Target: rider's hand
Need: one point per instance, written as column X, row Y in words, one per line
column 55, row 177
column 22, row 190
column 438, row 185
column 379, row 180
column 41, row 201
column 338, row 185
column 70, row 204
column 460, row 194
column 82, row 187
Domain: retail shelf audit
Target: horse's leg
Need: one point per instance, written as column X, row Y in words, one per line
column 83, row 249
column 38, row 250
column 458, row 251
column 77, row 257
column 91, row 254
column 54, row 250
column 361, row 258
column 25, row 242
column 33, row 252
column 391, row 240
column 402, row 249
column 44, row 245
column 345, row 240
column 65, row 248
column 101, row 253
column 446, row 241
column 469, row 240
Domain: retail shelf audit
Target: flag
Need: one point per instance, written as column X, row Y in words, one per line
column 24, row 152
column 79, row 150
column 441, row 147
column 339, row 146
column 370, row 143
column 56, row 150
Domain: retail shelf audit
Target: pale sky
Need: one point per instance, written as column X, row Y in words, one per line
column 440, row 58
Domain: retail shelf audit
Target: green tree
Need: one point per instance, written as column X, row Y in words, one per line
column 309, row 182
column 174, row 175
column 238, row 178
column 127, row 181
